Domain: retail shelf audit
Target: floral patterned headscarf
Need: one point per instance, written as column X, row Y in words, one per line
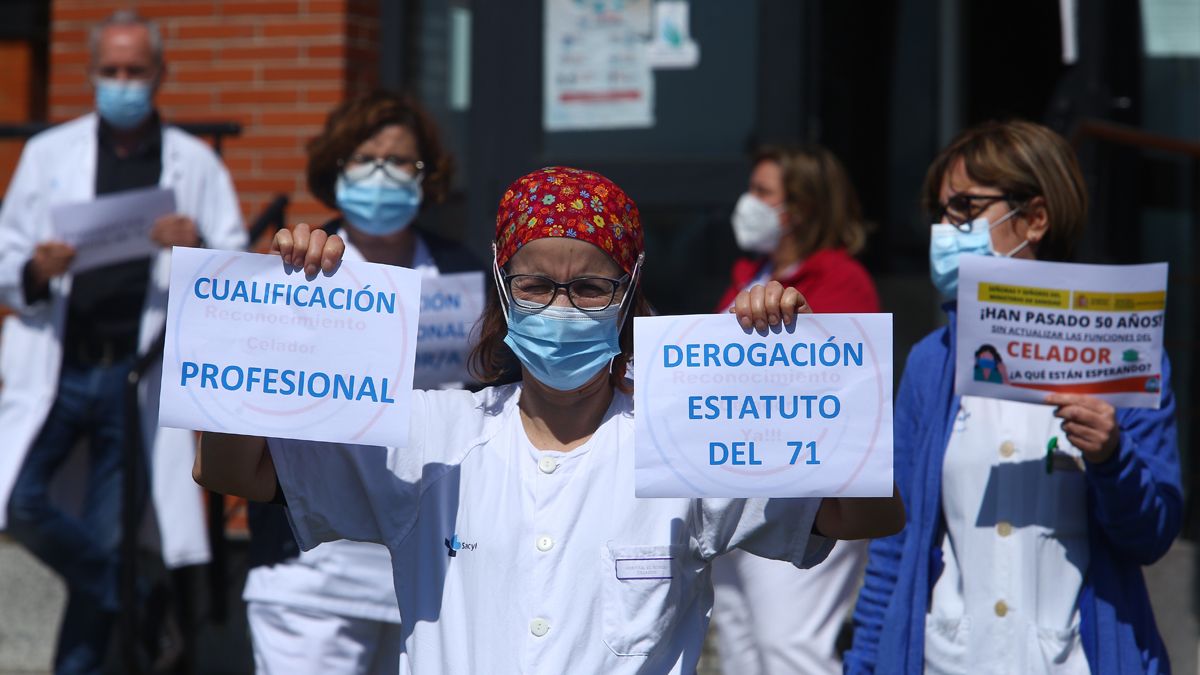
column 559, row 201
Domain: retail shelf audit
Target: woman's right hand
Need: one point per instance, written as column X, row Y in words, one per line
column 759, row 307
column 308, row 248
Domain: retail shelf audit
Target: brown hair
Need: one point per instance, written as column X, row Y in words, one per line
column 356, row 120
column 493, row 362
column 1024, row 160
column 819, row 194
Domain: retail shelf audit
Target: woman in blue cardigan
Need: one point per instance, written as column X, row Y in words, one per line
column 1009, row 563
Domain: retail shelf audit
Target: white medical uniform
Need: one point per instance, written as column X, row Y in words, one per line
column 773, row 619
column 58, row 166
column 332, row 609
column 758, row 628
column 1016, row 548
column 509, row 559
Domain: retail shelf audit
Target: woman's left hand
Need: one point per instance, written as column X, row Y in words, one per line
column 761, row 306
column 1090, row 424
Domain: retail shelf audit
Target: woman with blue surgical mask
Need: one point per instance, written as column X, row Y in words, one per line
column 380, row 163
column 1028, row 524
column 516, row 541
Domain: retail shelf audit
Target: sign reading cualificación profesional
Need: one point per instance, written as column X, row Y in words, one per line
column 804, row 410
column 254, row 347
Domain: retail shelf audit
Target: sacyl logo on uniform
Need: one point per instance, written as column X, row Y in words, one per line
column 453, row 546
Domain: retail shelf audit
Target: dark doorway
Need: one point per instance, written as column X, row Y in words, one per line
column 1014, row 58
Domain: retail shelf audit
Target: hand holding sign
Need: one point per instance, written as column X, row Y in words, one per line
column 50, row 259
column 174, row 229
column 309, row 249
column 1090, row 424
column 762, row 306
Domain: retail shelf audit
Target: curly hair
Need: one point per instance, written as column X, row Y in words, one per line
column 358, row 119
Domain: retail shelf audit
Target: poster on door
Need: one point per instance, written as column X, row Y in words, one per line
column 597, row 73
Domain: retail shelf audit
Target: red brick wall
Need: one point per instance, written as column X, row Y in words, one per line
column 275, row 66
column 16, row 75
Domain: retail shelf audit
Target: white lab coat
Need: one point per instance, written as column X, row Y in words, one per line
column 56, row 166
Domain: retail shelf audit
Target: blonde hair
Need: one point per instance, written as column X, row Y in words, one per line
column 1023, row 160
column 818, row 194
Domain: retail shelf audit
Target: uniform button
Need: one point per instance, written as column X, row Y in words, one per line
column 1001, row 608
column 539, row 627
column 1004, row 528
column 544, row 543
column 1007, row 449
column 547, row 464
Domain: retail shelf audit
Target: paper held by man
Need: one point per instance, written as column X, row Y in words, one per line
column 112, row 228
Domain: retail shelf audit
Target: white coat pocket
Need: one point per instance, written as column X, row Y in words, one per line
column 642, row 593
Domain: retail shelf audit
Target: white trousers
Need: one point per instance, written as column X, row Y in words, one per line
column 294, row 641
column 774, row 619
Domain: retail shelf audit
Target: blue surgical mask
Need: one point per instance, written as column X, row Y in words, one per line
column 378, row 204
column 123, row 104
column 947, row 244
column 986, row 364
column 564, row 347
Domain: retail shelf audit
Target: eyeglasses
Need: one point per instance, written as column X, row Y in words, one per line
column 963, row 208
column 589, row 294
column 361, row 166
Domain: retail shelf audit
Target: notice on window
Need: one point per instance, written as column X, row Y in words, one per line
column 1171, row 28
column 1029, row 328
column 596, row 72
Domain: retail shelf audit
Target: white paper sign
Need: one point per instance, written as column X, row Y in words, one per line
column 1027, row 328
column 596, row 74
column 451, row 305
column 803, row 411
column 112, row 228
column 254, row 349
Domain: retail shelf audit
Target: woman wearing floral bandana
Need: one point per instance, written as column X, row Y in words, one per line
column 516, row 540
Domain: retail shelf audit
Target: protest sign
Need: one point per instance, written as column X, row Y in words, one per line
column 256, row 348
column 800, row 411
column 1027, row 328
column 112, row 228
column 450, row 306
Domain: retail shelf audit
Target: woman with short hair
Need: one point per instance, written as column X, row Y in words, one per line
column 1028, row 525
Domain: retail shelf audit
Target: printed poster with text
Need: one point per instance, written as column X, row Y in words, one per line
column 798, row 411
column 1028, row 328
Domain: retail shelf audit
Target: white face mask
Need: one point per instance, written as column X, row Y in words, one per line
column 756, row 224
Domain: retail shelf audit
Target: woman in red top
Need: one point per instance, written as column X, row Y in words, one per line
column 802, row 223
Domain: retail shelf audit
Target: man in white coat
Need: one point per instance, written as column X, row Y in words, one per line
column 67, row 351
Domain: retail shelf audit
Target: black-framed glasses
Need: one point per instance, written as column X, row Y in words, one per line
column 963, row 208
column 361, row 166
column 589, row 294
